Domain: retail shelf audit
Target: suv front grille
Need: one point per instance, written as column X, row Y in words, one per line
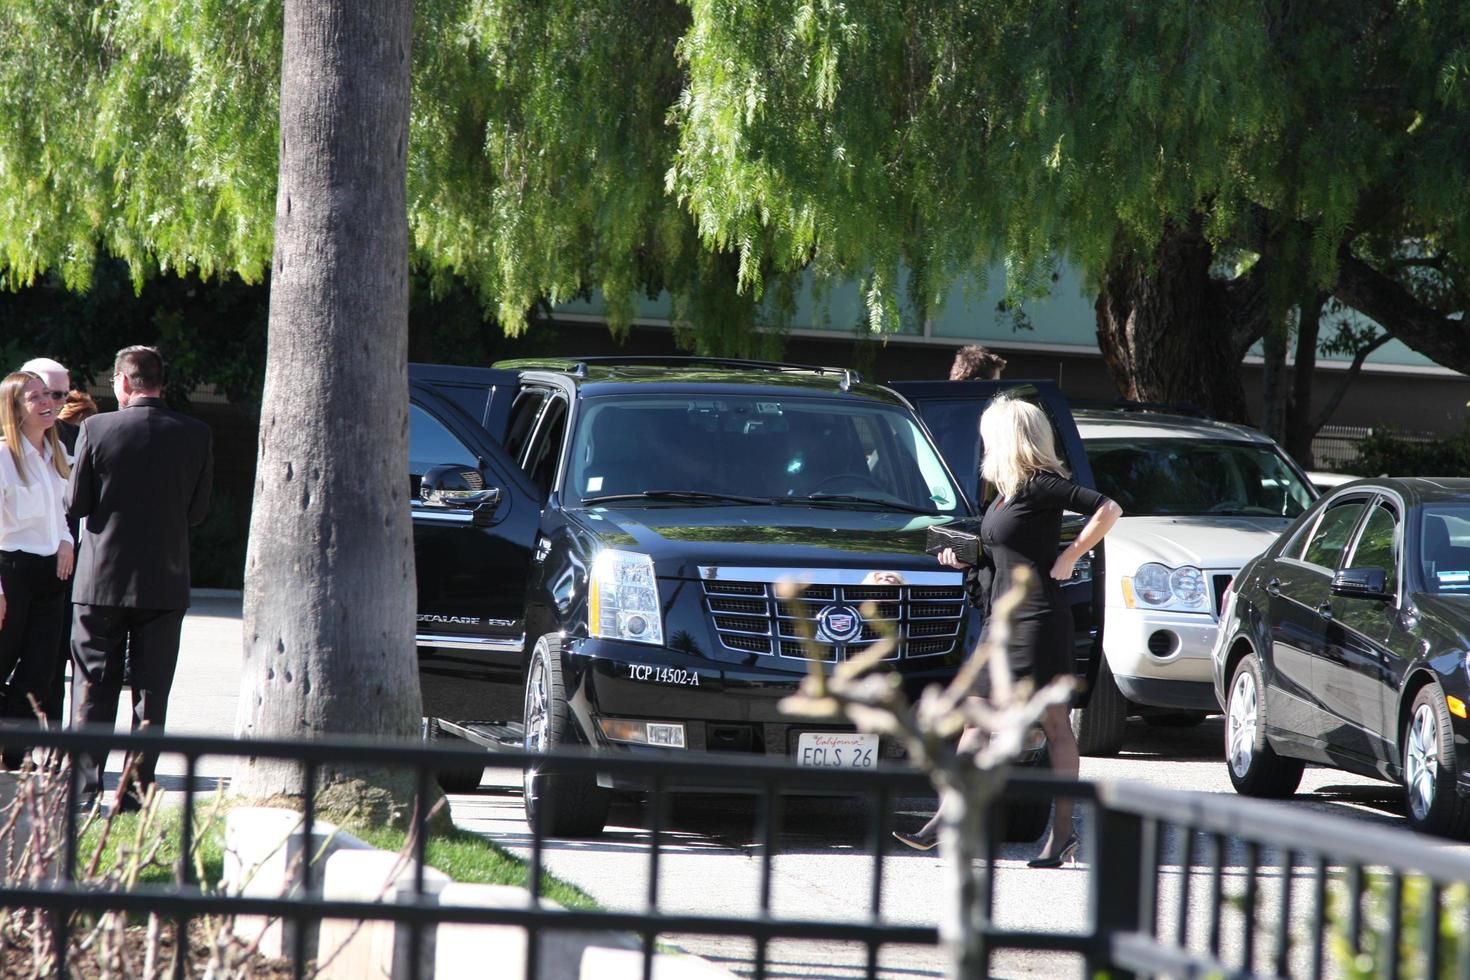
column 923, row 620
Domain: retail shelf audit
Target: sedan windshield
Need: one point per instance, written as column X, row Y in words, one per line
column 677, row 449
column 1162, row 477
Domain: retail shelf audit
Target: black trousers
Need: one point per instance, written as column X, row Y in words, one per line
column 35, row 601
column 102, row 639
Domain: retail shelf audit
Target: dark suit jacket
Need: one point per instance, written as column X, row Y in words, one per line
column 141, row 478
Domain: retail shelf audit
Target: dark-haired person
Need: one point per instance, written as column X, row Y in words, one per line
column 36, row 548
column 975, row 362
column 142, row 477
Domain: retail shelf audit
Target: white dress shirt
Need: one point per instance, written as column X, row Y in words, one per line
column 31, row 515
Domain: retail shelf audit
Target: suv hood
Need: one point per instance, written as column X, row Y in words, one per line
column 1206, row 542
column 680, row 539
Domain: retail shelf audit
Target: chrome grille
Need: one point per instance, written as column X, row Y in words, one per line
column 748, row 617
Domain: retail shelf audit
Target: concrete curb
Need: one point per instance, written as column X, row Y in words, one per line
column 216, row 594
column 264, row 850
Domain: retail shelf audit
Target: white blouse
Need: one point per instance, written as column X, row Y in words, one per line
column 31, row 514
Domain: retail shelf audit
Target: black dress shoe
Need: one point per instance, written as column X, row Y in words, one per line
column 1067, row 852
column 127, row 803
column 919, row 841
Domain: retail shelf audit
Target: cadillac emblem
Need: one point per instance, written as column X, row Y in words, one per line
column 839, row 624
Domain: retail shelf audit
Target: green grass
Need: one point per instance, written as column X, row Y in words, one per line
column 461, row 855
column 468, row 857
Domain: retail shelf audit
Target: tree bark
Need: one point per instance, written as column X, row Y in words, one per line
column 1171, row 333
column 1443, row 339
column 1300, row 427
column 1274, row 381
column 329, row 580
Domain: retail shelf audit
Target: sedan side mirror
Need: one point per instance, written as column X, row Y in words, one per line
column 1362, row 583
column 458, row 488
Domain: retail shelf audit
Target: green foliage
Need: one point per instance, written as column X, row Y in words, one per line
column 716, row 148
column 941, row 135
column 1373, row 959
column 1389, row 453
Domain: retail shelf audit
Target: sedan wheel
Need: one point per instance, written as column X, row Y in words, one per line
column 1421, row 761
column 1255, row 768
column 1240, row 724
column 1430, row 768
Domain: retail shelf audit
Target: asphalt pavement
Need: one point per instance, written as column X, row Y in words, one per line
column 710, row 861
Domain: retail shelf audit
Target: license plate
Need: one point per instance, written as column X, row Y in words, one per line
column 837, row 750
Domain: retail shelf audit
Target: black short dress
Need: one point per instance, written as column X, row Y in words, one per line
column 1026, row 530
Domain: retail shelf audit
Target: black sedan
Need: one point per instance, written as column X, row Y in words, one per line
column 1345, row 644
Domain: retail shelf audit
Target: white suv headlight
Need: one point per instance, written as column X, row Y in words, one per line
column 1158, row 586
column 622, row 603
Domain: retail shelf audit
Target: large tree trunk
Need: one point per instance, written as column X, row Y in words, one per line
column 1171, row 333
column 329, row 579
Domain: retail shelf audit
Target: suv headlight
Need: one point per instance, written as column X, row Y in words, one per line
column 1158, row 586
column 622, row 603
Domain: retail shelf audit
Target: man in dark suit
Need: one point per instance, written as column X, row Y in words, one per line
column 141, row 478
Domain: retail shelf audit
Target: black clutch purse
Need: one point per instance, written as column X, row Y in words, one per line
column 963, row 536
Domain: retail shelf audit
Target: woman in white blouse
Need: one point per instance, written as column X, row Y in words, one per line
column 36, row 548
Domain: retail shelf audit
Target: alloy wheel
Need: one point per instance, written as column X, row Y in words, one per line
column 1240, row 724
column 1421, row 761
column 537, row 720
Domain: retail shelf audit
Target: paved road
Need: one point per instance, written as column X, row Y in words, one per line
column 712, row 867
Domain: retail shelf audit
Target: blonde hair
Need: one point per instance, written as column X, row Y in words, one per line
column 1018, row 444
column 12, row 394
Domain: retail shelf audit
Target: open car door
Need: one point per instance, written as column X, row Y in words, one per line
column 476, row 517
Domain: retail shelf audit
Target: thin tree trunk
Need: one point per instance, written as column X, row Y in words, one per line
column 1300, row 430
column 329, row 581
column 1274, row 382
column 1172, row 334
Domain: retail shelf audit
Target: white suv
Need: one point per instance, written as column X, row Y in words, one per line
column 1200, row 499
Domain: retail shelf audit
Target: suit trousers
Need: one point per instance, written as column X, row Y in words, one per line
column 34, row 603
column 103, row 638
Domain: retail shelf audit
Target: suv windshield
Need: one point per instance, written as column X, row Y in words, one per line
column 1156, row 477
column 766, row 447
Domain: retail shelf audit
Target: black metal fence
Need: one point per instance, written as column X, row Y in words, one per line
column 1180, row 884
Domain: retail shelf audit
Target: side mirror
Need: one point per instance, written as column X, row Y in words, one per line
column 458, row 488
column 1362, row 583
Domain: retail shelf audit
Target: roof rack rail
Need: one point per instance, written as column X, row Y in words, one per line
column 580, row 365
column 1127, row 405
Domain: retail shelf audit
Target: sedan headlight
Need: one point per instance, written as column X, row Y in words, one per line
column 623, row 598
column 1161, row 587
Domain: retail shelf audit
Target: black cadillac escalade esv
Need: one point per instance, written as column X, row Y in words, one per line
column 608, row 533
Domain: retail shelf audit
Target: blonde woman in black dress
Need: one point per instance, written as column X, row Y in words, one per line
column 1022, row 529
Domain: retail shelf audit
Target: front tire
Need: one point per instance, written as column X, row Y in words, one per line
column 1255, row 768
column 1432, row 802
column 560, row 804
column 1099, row 727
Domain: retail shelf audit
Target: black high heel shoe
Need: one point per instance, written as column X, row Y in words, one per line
column 1068, row 852
column 919, row 841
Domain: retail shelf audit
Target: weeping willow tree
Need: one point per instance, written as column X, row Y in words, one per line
column 1207, row 166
